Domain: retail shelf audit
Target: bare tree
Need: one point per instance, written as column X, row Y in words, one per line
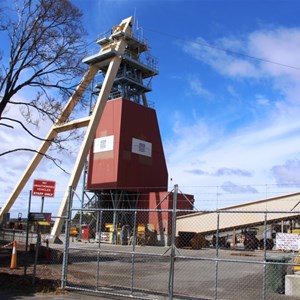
column 46, row 45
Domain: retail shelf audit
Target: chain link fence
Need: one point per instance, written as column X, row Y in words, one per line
column 170, row 254
column 167, row 254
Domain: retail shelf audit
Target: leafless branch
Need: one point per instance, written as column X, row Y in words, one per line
column 46, row 46
column 26, row 129
column 54, row 160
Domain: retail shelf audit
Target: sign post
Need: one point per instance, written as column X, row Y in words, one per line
column 43, row 188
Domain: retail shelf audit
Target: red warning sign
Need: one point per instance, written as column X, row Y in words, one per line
column 43, row 188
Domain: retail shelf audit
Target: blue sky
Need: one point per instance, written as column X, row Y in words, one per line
column 227, row 95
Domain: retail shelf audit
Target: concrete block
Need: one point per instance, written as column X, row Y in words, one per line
column 292, row 285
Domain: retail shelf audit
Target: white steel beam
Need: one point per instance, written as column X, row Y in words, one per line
column 79, row 123
column 74, row 99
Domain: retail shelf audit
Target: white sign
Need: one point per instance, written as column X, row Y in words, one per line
column 287, row 241
column 141, row 147
column 105, row 143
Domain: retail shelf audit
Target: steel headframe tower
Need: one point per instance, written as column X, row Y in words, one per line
column 127, row 160
column 112, row 53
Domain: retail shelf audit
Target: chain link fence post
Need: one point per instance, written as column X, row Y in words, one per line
column 265, row 259
column 217, row 256
column 99, row 231
column 133, row 241
column 173, row 246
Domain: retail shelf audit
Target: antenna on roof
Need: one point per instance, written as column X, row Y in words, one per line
column 138, row 30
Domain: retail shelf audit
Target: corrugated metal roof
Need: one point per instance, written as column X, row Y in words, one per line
column 242, row 215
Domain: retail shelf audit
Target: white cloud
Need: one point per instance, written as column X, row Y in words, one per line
column 233, row 188
column 259, row 150
column 187, row 137
column 196, row 88
column 279, row 45
column 277, row 52
column 223, row 62
column 232, row 91
column 262, row 100
column 288, row 173
column 228, row 171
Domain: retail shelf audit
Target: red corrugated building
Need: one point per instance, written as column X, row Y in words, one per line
column 127, row 153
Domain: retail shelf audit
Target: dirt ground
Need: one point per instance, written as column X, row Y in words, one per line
column 47, row 277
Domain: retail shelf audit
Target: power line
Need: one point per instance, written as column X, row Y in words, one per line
column 223, row 50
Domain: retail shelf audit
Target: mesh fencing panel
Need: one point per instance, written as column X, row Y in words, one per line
column 158, row 254
column 233, row 255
